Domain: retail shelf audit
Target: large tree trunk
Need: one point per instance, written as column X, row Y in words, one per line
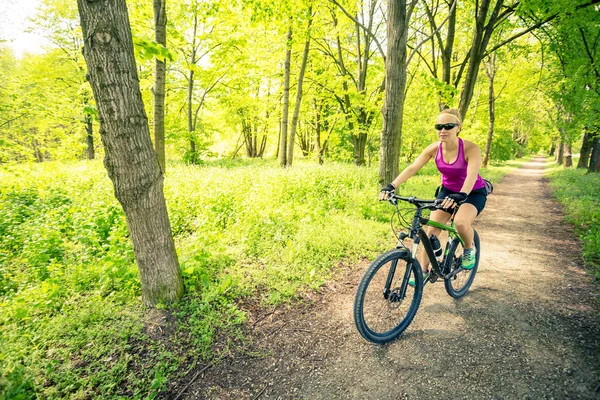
column 129, row 157
column 586, row 148
column 89, row 137
column 286, row 100
column 290, row 155
column 567, row 157
column 560, row 154
column 595, row 158
column 160, row 28
column 491, row 72
column 395, row 93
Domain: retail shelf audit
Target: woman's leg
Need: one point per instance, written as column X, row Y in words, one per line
column 438, row 216
column 463, row 220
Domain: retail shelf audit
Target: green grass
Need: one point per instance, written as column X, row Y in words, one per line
column 71, row 323
column 578, row 192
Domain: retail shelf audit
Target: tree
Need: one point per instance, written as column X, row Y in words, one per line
column 286, row 100
column 398, row 15
column 130, row 160
column 160, row 28
column 294, row 127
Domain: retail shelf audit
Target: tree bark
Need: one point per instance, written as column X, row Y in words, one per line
column 160, row 30
column 567, row 157
column 89, row 137
column 595, row 158
column 130, row 159
column 286, row 100
column 560, row 154
column 586, row 148
column 290, row 155
column 483, row 32
column 491, row 73
column 193, row 157
column 395, row 90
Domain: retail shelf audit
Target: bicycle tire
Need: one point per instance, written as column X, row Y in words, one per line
column 458, row 285
column 395, row 314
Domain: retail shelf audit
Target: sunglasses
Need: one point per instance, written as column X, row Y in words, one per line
column 447, row 127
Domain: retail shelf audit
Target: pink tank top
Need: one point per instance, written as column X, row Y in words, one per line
column 454, row 175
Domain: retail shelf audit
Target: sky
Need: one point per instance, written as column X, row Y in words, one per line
column 14, row 22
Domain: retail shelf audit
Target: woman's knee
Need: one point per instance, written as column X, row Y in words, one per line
column 462, row 223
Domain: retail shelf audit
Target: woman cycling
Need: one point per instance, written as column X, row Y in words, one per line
column 458, row 161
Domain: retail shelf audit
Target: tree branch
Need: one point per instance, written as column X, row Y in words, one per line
column 432, row 33
column 362, row 26
column 12, row 119
column 589, row 54
column 539, row 24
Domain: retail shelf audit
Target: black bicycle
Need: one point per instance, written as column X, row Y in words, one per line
column 385, row 302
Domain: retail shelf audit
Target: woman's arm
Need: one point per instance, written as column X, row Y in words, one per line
column 473, row 158
column 413, row 168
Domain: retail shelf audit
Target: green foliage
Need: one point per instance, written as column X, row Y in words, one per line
column 71, row 322
column 579, row 194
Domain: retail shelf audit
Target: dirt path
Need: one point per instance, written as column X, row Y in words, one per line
column 528, row 329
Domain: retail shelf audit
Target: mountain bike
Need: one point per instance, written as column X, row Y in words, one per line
column 385, row 302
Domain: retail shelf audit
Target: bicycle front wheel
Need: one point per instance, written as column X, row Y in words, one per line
column 460, row 280
column 385, row 302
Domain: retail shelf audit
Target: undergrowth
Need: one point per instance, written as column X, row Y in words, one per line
column 71, row 323
column 579, row 192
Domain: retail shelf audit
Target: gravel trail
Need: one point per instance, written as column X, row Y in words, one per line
column 529, row 328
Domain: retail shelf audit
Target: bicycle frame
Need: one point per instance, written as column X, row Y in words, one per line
column 418, row 234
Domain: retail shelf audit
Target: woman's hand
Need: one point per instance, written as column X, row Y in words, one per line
column 453, row 199
column 386, row 191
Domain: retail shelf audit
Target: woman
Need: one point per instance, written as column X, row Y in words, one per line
column 458, row 161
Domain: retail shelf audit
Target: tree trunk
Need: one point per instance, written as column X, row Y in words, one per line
column 567, row 158
column 395, row 93
column 491, row 72
column 481, row 39
column 193, row 157
column 586, row 148
column 290, row 155
column 129, row 156
column 595, row 158
column 160, row 27
column 37, row 153
column 89, row 137
column 286, row 100
column 560, row 154
column 318, row 148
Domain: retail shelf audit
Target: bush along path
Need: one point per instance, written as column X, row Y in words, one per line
column 528, row 329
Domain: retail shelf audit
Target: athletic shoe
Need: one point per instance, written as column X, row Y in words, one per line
column 468, row 258
column 411, row 282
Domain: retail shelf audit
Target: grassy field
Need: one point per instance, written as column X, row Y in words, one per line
column 71, row 323
column 579, row 192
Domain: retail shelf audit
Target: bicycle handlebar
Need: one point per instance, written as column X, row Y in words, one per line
column 426, row 203
column 434, row 204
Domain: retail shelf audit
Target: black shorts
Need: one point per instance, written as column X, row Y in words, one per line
column 477, row 197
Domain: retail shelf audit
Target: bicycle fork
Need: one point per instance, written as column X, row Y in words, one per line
column 387, row 290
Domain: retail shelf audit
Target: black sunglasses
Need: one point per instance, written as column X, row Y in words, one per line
column 446, row 126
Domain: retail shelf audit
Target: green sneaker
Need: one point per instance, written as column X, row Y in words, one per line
column 411, row 282
column 468, row 258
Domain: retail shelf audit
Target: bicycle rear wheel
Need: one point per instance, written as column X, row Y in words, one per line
column 385, row 304
column 459, row 283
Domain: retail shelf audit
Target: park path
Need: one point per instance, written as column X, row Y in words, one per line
column 528, row 329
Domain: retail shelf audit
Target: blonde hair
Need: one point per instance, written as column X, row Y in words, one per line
column 454, row 112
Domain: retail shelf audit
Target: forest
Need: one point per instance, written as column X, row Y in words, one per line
column 238, row 146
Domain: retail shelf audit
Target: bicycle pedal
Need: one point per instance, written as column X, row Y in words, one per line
column 432, row 277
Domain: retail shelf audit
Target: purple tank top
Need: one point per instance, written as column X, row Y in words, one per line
column 454, row 175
